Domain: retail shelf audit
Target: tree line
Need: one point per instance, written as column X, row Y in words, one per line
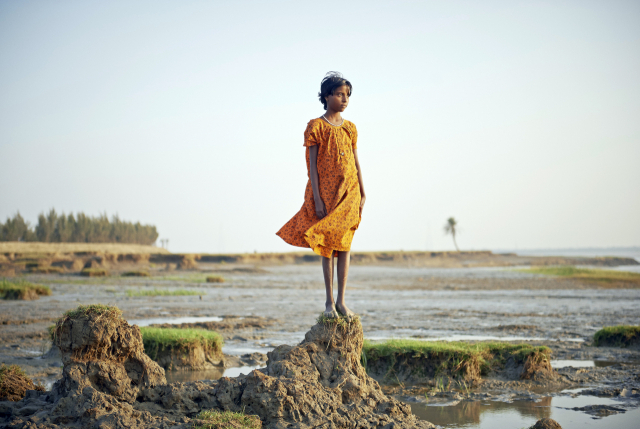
column 61, row 228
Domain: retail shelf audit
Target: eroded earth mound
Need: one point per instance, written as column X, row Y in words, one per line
column 108, row 381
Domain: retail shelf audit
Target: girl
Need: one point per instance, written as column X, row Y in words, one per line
column 334, row 197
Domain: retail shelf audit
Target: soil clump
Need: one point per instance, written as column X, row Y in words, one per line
column 14, row 383
column 546, row 423
column 108, row 381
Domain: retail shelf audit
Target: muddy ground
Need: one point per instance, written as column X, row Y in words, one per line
column 262, row 307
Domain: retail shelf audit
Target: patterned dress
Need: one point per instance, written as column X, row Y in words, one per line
column 339, row 190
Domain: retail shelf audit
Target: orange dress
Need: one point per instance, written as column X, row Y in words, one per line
column 339, row 190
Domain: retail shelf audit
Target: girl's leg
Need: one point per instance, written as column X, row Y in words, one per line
column 327, row 270
column 343, row 272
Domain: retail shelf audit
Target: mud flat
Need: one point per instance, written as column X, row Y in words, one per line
column 260, row 307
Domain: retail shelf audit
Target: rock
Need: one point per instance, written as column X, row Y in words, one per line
column 546, row 423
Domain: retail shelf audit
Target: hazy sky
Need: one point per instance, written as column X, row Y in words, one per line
column 521, row 119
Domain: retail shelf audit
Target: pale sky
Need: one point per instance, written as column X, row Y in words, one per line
column 520, row 119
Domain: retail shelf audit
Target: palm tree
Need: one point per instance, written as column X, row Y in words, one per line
column 451, row 227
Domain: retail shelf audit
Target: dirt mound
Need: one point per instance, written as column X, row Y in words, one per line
column 14, row 383
column 538, row 367
column 101, row 350
column 546, row 424
column 108, row 382
column 319, row 383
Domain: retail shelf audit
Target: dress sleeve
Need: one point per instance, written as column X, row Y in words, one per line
column 311, row 137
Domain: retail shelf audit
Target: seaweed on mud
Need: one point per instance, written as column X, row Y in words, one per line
column 617, row 336
column 214, row 419
column 22, row 289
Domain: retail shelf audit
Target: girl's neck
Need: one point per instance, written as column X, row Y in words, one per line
column 333, row 117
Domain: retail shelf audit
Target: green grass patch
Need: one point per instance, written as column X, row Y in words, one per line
column 592, row 274
column 94, row 272
column 158, row 339
column 136, row 274
column 215, row 279
column 449, row 358
column 161, row 292
column 215, row 419
column 22, row 289
column 617, row 336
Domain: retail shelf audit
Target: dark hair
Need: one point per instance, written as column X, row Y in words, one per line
column 331, row 81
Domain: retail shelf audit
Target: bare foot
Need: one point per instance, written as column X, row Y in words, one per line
column 330, row 311
column 344, row 310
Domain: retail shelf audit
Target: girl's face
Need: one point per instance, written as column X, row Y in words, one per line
column 339, row 100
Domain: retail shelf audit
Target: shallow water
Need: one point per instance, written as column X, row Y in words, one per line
column 209, row 374
column 518, row 414
column 565, row 363
column 172, row 320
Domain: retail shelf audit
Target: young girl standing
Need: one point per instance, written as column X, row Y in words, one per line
column 334, row 197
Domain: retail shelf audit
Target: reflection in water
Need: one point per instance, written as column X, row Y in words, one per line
column 207, row 374
column 518, row 414
column 465, row 412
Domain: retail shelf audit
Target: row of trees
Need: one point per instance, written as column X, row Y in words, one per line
column 54, row 228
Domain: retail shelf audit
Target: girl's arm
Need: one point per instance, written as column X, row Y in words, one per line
column 363, row 197
column 321, row 211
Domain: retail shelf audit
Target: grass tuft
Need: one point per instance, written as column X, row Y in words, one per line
column 215, row 279
column 617, row 336
column 94, row 272
column 93, row 310
column 22, row 289
column 158, row 339
column 136, row 274
column 596, row 275
column 161, row 292
column 14, row 383
column 340, row 321
column 215, row 419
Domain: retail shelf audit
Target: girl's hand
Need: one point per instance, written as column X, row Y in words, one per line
column 321, row 211
column 363, row 198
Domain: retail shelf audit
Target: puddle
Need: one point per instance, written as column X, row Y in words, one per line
column 557, row 364
column 517, row 414
column 173, row 320
column 209, row 374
